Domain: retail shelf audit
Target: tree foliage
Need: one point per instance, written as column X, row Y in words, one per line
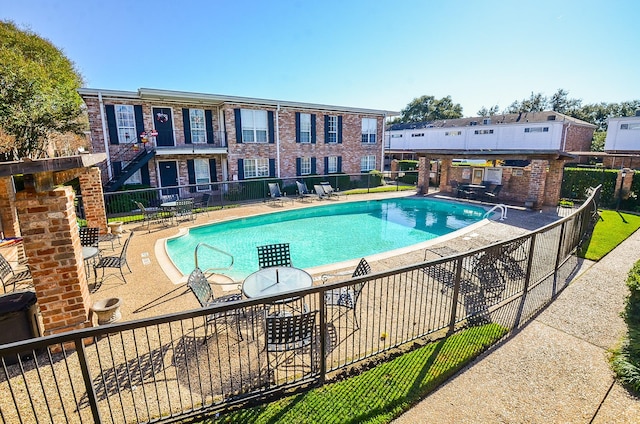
column 484, row 112
column 38, row 93
column 428, row 108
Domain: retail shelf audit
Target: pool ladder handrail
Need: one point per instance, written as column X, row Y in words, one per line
column 503, row 211
column 209, row 270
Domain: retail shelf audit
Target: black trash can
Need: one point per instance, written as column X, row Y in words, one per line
column 18, row 320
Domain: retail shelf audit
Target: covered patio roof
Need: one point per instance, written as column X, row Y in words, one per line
column 496, row 154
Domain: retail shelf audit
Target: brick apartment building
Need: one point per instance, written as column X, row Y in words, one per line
column 166, row 138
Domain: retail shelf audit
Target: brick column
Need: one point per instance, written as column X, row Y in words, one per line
column 8, row 213
column 93, row 199
column 52, row 245
column 537, row 180
column 553, row 183
column 445, row 168
column 424, row 168
column 624, row 185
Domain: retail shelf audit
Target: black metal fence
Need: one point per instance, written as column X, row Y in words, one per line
column 121, row 204
column 170, row 367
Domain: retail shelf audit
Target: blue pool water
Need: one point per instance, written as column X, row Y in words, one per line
column 322, row 235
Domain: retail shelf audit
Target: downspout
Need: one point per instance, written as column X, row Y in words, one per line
column 224, row 162
column 278, row 141
column 104, row 136
column 564, row 137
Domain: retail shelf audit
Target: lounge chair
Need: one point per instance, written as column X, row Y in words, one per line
column 320, row 192
column 303, row 191
column 493, row 193
column 329, row 191
column 275, row 195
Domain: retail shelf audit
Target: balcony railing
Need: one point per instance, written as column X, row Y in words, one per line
column 159, row 369
column 177, row 139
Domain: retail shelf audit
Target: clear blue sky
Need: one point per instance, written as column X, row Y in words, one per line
column 367, row 54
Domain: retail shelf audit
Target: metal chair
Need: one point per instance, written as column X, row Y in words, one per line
column 319, row 189
column 275, row 195
column 277, row 254
column 329, row 191
column 493, row 194
column 347, row 297
column 303, row 191
column 289, row 333
column 148, row 214
column 199, row 285
column 89, row 236
column 9, row 276
column 118, row 262
column 184, row 209
column 203, row 203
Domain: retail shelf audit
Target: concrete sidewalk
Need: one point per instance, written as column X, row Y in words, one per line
column 555, row 369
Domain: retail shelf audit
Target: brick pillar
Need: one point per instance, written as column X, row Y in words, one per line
column 624, row 185
column 553, row 183
column 52, row 245
column 537, row 180
column 445, row 168
column 8, row 213
column 424, row 168
column 93, row 199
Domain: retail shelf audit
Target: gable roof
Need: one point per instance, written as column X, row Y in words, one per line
column 508, row 118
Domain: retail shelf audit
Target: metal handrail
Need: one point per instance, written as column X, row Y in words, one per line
column 503, row 211
column 195, row 254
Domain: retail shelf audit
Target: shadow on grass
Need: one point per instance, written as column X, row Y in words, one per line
column 381, row 393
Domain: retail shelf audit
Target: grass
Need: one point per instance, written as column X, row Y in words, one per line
column 613, row 228
column 379, row 394
column 625, row 360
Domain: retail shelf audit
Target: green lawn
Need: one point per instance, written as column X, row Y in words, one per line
column 380, row 394
column 610, row 231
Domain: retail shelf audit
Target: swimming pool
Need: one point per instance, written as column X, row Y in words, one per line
column 323, row 235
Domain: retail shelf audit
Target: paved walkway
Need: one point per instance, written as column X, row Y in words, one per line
column 555, row 369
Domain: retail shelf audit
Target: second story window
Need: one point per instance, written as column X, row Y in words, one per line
column 305, row 128
column 332, row 129
column 126, row 123
column 198, row 129
column 480, row 132
column 254, row 126
column 369, row 130
column 536, row 129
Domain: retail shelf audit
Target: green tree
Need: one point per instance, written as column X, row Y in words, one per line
column 535, row 103
column 428, row 108
column 560, row 102
column 484, row 112
column 38, row 93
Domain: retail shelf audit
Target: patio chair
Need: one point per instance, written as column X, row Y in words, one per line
column 289, row 333
column 329, row 191
column 89, row 236
column 319, row 189
column 303, row 191
column 199, row 285
column 459, row 189
column 166, row 198
column 347, row 297
column 10, row 276
column 118, row 262
column 149, row 215
column 202, row 204
column 184, row 209
column 277, row 254
column 494, row 192
column 275, row 195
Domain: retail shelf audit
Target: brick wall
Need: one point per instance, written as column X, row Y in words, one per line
column 52, row 245
column 8, row 214
column 578, row 138
column 93, row 199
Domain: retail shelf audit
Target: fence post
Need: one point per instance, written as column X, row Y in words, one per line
column 323, row 341
column 557, row 264
column 454, row 299
column 91, row 392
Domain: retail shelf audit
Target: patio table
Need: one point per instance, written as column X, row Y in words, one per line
column 275, row 280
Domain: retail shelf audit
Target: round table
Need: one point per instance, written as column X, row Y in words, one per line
column 276, row 280
column 88, row 254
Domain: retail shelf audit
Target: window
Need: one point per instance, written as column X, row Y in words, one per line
column 198, row 130
column 369, row 130
column 201, row 170
column 396, row 135
column 473, row 123
column 126, row 122
column 305, row 128
column 536, row 129
column 632, row 126
column 332, row 129
column 417, row 135
column 452, row 133
column 305, row 166
column 483, row 132
column 486, row 121
column 254, row 126
column 136, row 178
column 367, row 163
column 332, row 164
column 254, row 168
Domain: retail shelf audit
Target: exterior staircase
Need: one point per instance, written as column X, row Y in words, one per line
column 121, row 175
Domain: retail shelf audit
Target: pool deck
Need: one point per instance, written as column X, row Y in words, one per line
column 155, row 287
